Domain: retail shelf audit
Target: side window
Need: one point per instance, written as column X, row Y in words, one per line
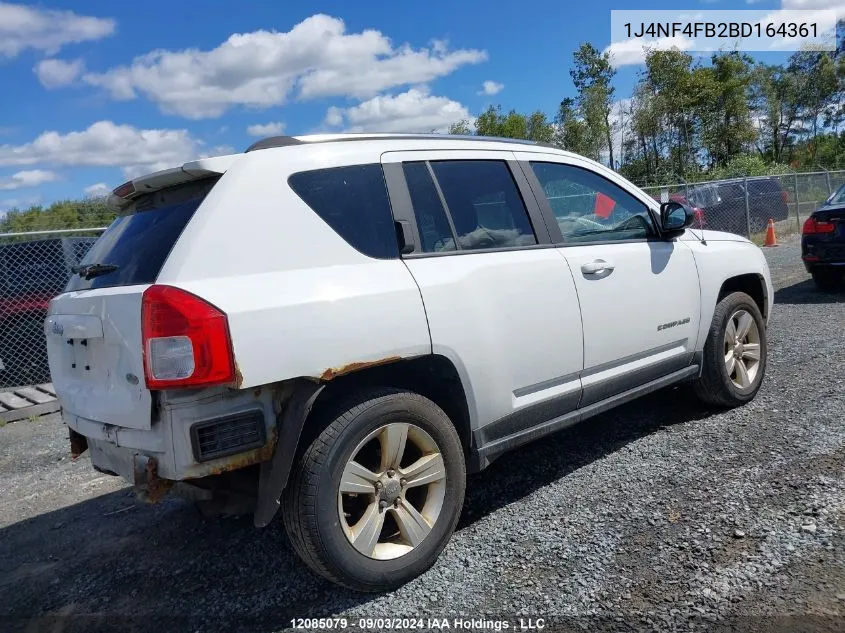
column 484, row 204
column 353, row 201
column 435, row 233
column 732, row 193
column 590, row 208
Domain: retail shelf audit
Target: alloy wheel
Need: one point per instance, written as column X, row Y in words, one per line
column 742, row 349
column 391, row 491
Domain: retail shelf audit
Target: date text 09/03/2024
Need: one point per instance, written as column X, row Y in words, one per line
column 721, row 29
column 403, row 624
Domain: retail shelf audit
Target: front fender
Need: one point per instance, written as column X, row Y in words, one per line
column 720, row 261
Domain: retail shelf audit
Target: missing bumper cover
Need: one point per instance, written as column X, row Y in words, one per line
column 228, row 435
column 78, row 443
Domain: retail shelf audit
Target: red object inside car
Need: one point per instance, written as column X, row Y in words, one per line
column 603, row 206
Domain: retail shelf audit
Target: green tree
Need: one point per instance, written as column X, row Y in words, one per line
column 725, row 92
column 538, row 128
column 570, row 132
column 461, row 127
column 493, row 122
column 671, row 81
column 747, row 165
column 592, row 74
column 775, row 100
column 64, row 214
column 819, row 93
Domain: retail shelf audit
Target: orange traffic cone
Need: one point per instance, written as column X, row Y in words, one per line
column 771, row 240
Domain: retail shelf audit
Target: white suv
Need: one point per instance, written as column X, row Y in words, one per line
column 345, row 325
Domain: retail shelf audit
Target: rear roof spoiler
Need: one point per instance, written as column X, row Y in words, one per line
column 123, row 195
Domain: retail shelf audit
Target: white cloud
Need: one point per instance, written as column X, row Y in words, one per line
column 817, row 12
column 107, row 144
column 411, row 111
column 316, row 58
column 491, row 88
column 55, row 73
column 812, row 4
column 633, row 51
column 46, row 30
column 98, row 190
column 265, row 129
column 27, row 178
column 334, row 116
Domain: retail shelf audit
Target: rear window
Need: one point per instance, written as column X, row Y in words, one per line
column 353, row 201
column 139, row 241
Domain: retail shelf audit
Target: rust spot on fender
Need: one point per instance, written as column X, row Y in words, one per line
column 333, row 372
column 239, row 377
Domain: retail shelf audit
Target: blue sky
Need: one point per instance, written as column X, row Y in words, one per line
column 97, row 92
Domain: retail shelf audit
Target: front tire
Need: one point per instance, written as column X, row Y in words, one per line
column 375, row 497
column 735, row 353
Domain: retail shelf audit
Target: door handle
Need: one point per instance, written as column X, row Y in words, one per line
column 598, row 266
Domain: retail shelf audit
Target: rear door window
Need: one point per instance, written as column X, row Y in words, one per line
column 139, row 241
column 353, row 201
column 484, row 203
column 435, row 231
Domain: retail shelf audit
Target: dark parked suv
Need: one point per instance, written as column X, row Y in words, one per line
column 31, row 273
column 823, row 242
column 724, row 204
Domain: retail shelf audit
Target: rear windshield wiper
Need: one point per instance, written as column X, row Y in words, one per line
column 89, row 271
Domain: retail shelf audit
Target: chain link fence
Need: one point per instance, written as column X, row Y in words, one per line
column 38, row 248
column 745, row 205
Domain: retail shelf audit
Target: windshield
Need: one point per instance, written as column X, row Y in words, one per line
column 838, row 196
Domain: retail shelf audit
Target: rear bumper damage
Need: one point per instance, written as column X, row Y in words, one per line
column 173, row 455
column 170, row 449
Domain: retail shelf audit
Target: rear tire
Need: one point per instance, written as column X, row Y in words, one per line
column 735, row 353
column 826, row 279
column 368, row 509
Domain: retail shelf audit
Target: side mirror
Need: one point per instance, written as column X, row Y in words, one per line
column 675, row 216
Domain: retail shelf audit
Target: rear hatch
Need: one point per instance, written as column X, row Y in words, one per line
column 93, row 329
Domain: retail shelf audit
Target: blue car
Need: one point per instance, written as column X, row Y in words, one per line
column 823, row 242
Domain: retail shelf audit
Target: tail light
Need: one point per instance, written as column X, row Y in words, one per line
column 813, row 226
column 186, row 340
column 785, row 196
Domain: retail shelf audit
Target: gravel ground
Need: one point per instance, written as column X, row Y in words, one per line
column 659, row 515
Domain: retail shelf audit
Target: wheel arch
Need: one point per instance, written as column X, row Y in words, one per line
column 433, row 376
column 752, row 284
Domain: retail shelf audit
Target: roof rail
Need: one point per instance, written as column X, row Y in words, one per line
column 284, row 141
column 273, row 141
